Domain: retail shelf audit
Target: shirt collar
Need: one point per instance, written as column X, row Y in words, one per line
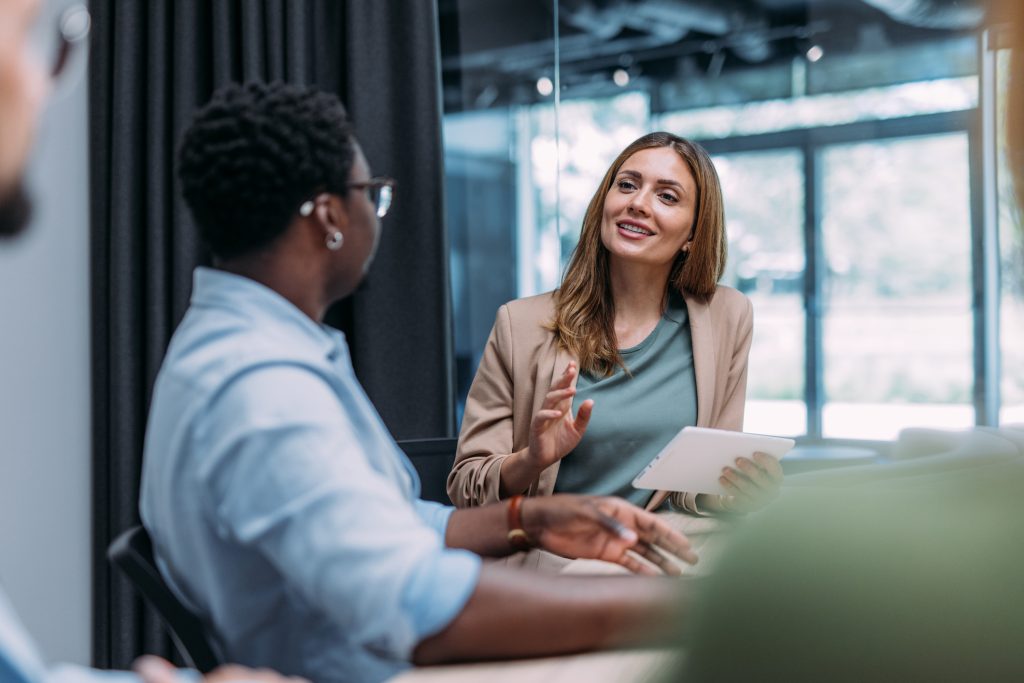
column 218, row 288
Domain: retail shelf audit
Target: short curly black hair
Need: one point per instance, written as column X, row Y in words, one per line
column 254, row 153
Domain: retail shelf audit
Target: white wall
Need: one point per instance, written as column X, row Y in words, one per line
column 44, row 387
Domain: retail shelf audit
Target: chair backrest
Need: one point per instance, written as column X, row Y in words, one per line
column 132, row 553
column 433, row 460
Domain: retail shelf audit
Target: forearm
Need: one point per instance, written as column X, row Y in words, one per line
column 515, row 614
column 482, row 530
column 517, row 474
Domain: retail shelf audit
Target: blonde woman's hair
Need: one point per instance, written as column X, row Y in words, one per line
column 584, row 321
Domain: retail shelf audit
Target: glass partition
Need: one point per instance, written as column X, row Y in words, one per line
column 843, row 137
column 498, row 74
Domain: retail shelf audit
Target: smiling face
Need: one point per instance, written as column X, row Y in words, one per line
column 649, row 211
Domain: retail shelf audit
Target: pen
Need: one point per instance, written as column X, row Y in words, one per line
column 616, row 527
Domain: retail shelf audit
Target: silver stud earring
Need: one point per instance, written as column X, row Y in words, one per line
column 306, row 209
column 334, row 240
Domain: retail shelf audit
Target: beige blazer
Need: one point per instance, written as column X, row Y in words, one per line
column 522, row 359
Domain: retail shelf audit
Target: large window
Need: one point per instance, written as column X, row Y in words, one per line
column 878, row 333
column 897, row 319
column 843, row 138
column 767, row 262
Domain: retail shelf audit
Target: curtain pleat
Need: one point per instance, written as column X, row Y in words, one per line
column 399, row 323
column 152, row 64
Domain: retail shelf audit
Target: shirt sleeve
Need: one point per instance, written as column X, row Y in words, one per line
column 293, row 469
column 435, row 515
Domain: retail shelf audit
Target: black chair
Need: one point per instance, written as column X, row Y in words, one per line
column 132, row 553
column 433, row 460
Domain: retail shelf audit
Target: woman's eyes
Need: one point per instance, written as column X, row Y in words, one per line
column 626, row 185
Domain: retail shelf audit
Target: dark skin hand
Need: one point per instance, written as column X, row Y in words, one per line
column 515, row 613
column 608, row 529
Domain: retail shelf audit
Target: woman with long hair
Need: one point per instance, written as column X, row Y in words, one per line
column 640, row 338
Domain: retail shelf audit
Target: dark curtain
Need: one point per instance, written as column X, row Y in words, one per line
column 152, row 63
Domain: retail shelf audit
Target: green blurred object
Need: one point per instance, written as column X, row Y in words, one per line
column 917, row 578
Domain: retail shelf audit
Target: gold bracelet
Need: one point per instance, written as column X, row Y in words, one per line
column 517, row 536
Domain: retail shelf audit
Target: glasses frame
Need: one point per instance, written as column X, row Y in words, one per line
column 380, row 189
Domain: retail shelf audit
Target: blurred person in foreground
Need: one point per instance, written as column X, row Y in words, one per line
column 280, row 507
column 24, row 84
column 909, row 571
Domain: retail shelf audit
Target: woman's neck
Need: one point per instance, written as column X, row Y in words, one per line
column 638, row 291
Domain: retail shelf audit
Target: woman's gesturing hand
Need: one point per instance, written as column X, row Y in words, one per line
column 608, row 529
column 554, row 431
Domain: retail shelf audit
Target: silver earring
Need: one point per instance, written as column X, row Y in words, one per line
column 306, row 209
column 334, row 240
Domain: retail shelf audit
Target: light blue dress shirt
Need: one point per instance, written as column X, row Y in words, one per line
column 281, row 510
column 20, row 661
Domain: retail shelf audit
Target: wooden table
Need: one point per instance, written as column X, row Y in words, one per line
column 616, row 666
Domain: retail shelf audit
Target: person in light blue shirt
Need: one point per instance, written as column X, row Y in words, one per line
column 23, row 85
column 281, row 510
column 262, row 452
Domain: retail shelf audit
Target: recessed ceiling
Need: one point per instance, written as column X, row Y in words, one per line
column 494, row 51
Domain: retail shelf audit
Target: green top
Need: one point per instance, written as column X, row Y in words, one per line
column 634, row 416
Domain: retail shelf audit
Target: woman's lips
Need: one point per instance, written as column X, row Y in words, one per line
column 632, row 230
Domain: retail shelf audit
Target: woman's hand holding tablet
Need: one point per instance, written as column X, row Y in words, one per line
column 754, row 483
column 742, row 469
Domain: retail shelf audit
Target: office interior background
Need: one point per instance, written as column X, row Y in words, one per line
column 859, row 143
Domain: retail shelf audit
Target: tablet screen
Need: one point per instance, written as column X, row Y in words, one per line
column 693, row 460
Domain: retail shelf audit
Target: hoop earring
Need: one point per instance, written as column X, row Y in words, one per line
column 334, row 240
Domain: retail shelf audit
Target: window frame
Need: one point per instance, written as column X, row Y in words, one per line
column 984, row 242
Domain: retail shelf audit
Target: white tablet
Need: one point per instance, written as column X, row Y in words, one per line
column 693, row 460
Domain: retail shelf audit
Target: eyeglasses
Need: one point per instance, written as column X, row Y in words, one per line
column 380, row 190
column 72, row 28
